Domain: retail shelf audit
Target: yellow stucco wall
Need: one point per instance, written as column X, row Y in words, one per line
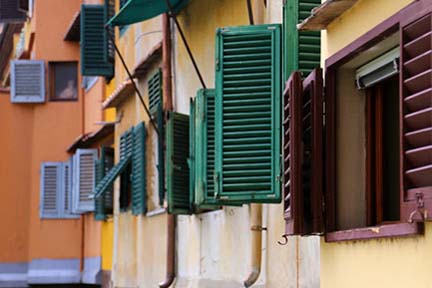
column 395, row 262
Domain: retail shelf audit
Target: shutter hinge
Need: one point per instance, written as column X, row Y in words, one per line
column 420, row 210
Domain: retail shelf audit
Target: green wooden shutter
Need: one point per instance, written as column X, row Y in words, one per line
column 100, row 201
column 126, row 150
column 94, row 42
column 154, row 85
column 139, row 191
column 193, row 168
column 302, row 49
column 161, row 161
column 248, row 91
column 177, row 168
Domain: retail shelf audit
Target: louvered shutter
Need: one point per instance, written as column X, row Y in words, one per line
column 139, row 191
column 292, row 149
column 416, row 116
column 27, row 81
column 193, row 148
column 110, row 12
column 126, row 150
column 303, row 154
column 94, row 42
column 84, row 179
column 66, row 190
column 10, row 13
column 155, row 92
column 161, row 161
column 302, row 49
column 248, row 90
column 50, row 190
column 99, row 201
column 177, row 168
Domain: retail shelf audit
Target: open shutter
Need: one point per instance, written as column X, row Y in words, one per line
column 292, row 180
column 66, row 190
column 177, row 168
column 303, row 154
column 50, row 190
column 248, row 89
column 84, row 179
column 302, row 48
column 161, row 161
column 99, row 201
column 110, row 12
column 10, row 12
column 155, row 91
column 416, row 117
column 94, row 42
column 27, row 81
column 139, row 191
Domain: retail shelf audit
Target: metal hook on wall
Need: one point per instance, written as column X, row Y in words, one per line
column 285, row 240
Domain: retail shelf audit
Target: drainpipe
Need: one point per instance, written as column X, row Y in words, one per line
column 256, row 223
column 168, row 105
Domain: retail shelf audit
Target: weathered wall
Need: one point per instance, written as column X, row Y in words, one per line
column 396, row 262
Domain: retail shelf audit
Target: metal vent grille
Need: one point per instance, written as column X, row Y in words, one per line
column 27, row 81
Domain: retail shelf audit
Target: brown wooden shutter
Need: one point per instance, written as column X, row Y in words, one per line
column 303, row 154
column 292, row 189
column 416, row 117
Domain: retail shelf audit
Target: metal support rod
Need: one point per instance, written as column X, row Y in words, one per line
column 250, row 12
column 133, row 83
column 172, row 14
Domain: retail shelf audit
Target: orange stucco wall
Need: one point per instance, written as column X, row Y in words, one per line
column 55, row 126
column 93, row 106
column 15, row 155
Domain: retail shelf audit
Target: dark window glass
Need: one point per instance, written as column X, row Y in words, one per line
column 63, row 81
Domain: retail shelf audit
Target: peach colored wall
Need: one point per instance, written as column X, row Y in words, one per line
column 92, row 236
column 55, row 126
column 15, row 155
column 93, row 106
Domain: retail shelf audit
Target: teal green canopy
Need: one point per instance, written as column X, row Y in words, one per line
column 139, row 10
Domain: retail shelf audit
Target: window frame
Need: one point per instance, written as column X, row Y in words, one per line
column 52, row 81
column 393, row 24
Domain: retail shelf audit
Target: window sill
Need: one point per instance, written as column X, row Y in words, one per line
column 155, row 212
column 375, row 232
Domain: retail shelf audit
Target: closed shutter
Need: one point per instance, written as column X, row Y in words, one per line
column 94, row 42
column 10, row 12
column 50, row 190
column 302, row 48
column 139, row 191
column 416, row 118
column 27, row 81
column 155, row 91
column 84, row 179
column 177, row 168
column 303, row 154
column 247, row 109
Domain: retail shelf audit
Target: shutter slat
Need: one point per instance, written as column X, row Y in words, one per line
column 27, row 81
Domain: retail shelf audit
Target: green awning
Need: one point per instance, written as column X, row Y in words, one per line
column 109, row 178
column 139, row 10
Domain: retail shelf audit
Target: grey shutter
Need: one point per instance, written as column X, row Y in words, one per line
column 10, row 13
column 66, row 190
column 83, row 183
column 50, row 190
column 27, row 81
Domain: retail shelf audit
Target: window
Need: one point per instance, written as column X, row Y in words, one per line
column 377, row 157
column 56, row 190
column 104, row 203
column 63, row 81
